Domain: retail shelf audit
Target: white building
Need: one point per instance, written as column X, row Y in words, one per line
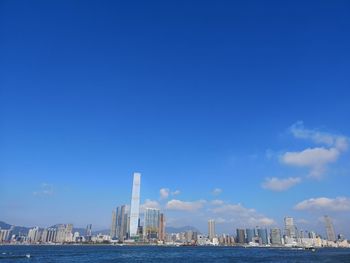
column 211, row 229
column 135, row 205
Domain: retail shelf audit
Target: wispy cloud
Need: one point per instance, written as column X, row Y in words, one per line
column 149, row 204
column 164, row 193
column 317, row 158
column 217, row 202
column 45, row 190
column 216, row 191
column 176, row 192
column 175, row 204
column 318, row 137
column 240, row 215
column 324, row 203
column 276, row 184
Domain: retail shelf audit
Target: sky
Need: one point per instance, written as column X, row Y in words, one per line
column 236, row 111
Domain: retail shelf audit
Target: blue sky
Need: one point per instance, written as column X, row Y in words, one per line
column 195, row 95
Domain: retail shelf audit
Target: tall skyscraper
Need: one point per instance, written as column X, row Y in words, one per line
column 289, row 228
column 122, row 218
column 151, row 224
column 211, row 229
column 250, row 234
column 88, row 230
column 240, row 236
column 276, row 238
column 162, row 227
column 135, row 205
column 262, row 234
column 114, row 224
column 329, row 228
column 119, row 223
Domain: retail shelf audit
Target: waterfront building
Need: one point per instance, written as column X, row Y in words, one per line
column 151, row 224
column 289, row 227
column 5, row 235
column 312, row 234
column 329, row 228
column 211, row 229
column 121, row 221
column 262, row 234
column 34, row 235
column 113, row 233
column 135, row 205
column 51, row 235
column 162, row 227
column 276, row 238
column 188, row 236
column 64, row 233
column 240, row 236
column 88, row 232
column 250, row 233
column 44, row 234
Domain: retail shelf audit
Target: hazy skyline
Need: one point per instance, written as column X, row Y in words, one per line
column 237, row 112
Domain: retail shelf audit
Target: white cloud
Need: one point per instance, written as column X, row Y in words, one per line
column 176, row 192
column 175, row 204
column 241, row 216
column 220, row 220
column 276, row 184
column 316, row 159
column 217, row 202
column 164, row 193
column 324, row 203
column 149, row 204
column 45, row 190
column 338, row 141
column 302, row 221
column 217, row 191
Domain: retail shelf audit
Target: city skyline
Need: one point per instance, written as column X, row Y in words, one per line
column 149, row 224
column 236, row 112
column 127, row 227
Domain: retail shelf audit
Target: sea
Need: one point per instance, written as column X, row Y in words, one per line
column 108, row 253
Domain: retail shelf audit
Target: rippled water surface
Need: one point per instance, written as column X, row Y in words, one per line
column 166, row 254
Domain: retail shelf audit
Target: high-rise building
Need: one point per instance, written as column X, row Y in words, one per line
column 211, row 229
column 151, row 224
column 51, row 235
column 162, row 227
column 135, row 205
column 114, row 224
column 276, row 238
column 34, row 235
column 312, row 234
column 262, row 234
column 329, row 228
column 250, row 234
column 88, row 232
column 289, row 227
column 122, row 218
column 5, row 235
column 240, row 236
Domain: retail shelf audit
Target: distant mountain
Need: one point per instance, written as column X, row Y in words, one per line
column 75, row 229
column 21, row 230
column 103, row 232
column 4, row 225
column 17, row 230
column 170, row 229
